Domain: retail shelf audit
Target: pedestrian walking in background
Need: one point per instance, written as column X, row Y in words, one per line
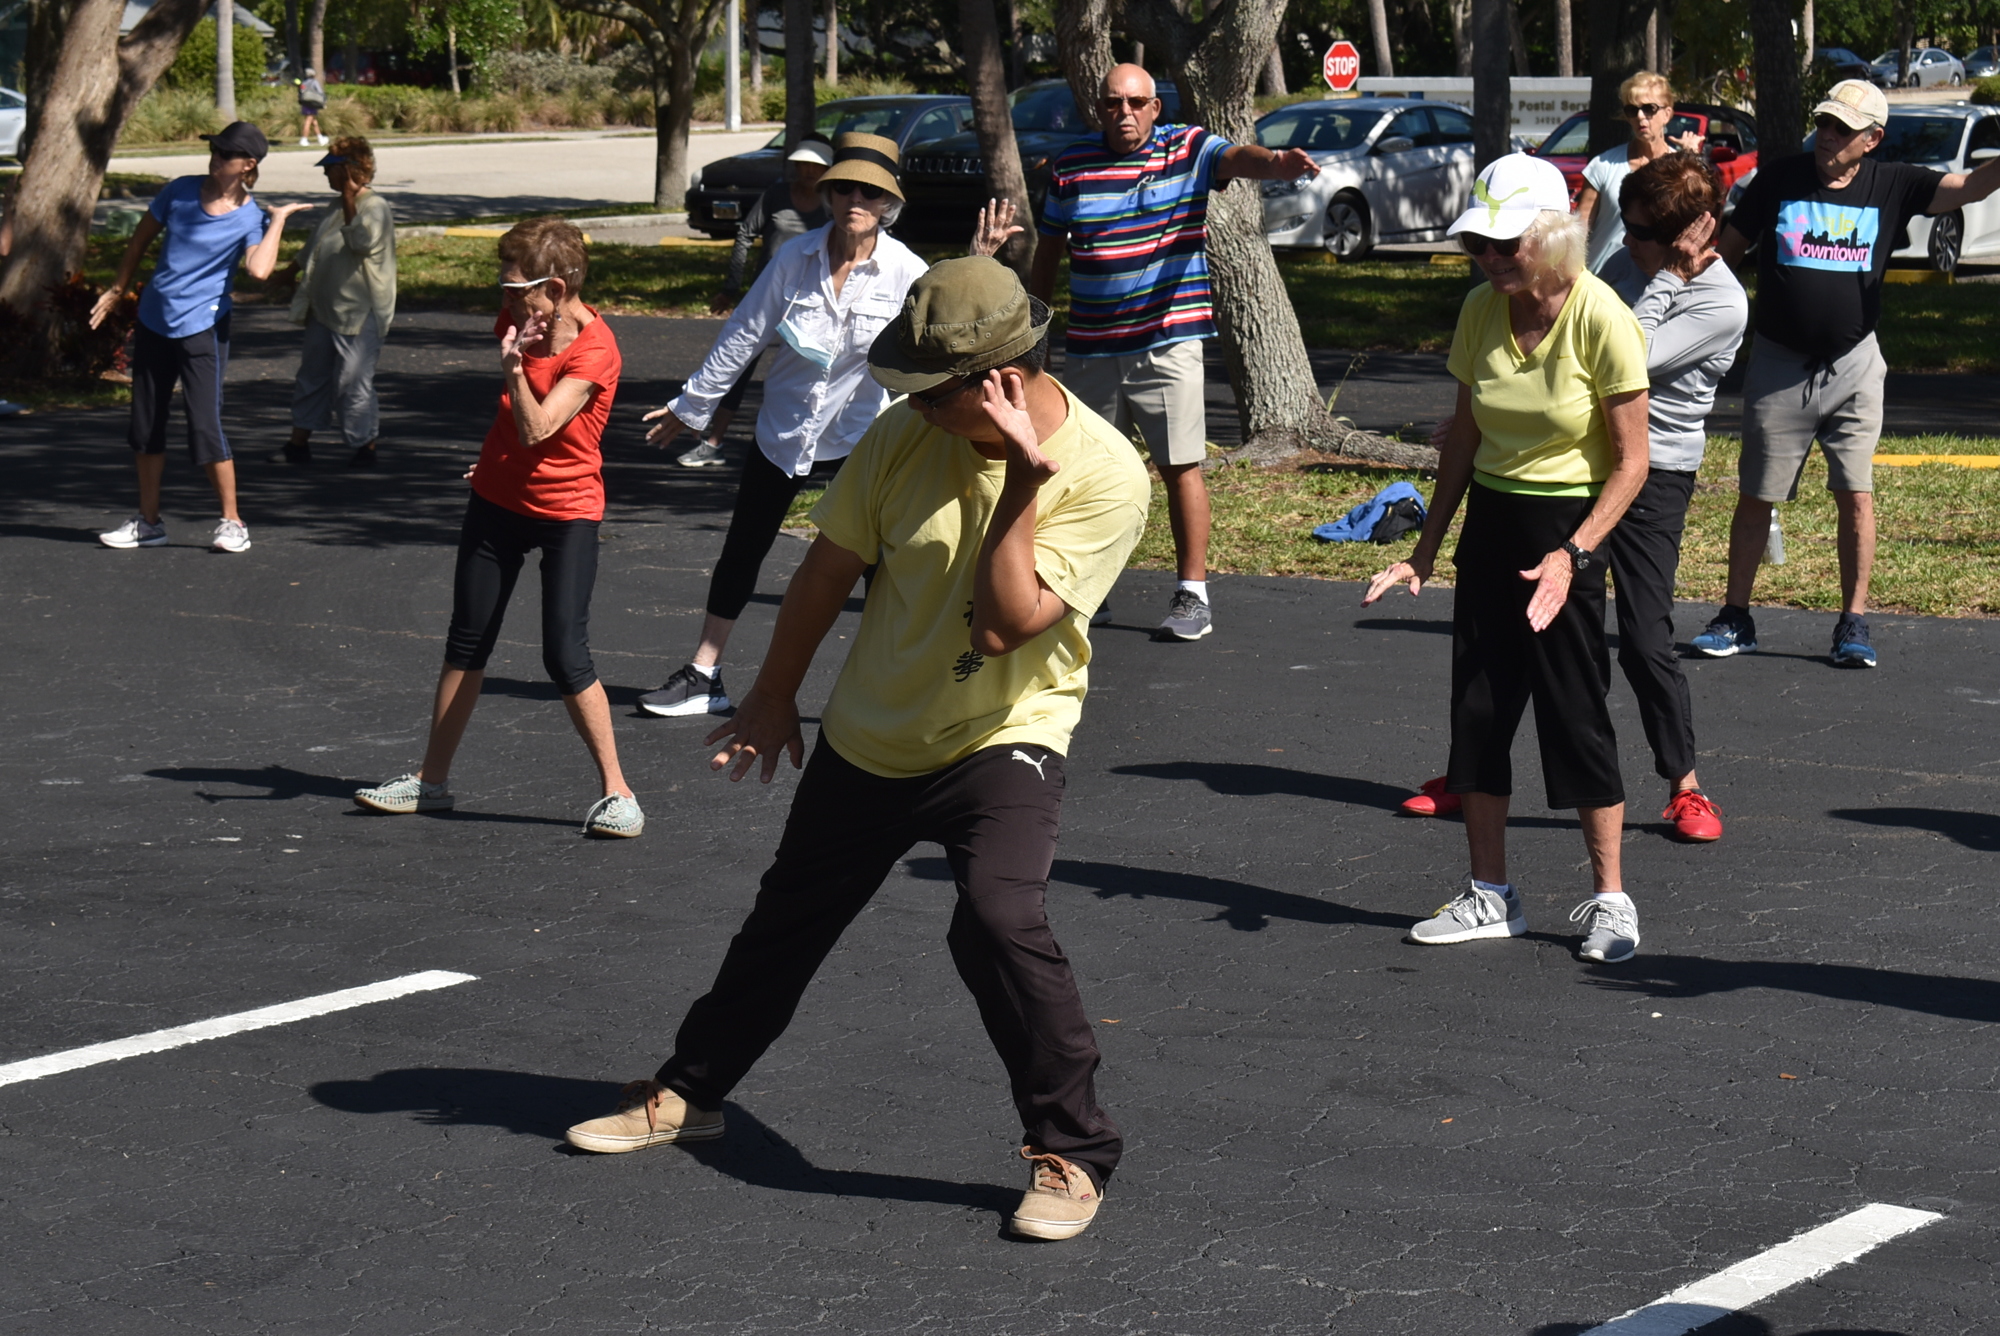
column 998, row 511
column 345, row 296
column 791, row 208
column 1648, row 103
column 538, row 486
column 312, row 101
column 1824, row 223
column 1130, row 205
column 182, row 336
column 1547, row 448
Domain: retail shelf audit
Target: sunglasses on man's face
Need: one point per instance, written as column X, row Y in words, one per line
column 1838, row 126
column 932, row 399
column 1131, row 103
column 867, row 192
column 1647, row 110
column 1477, row 245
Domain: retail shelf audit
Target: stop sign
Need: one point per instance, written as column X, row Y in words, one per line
column 1342, row 66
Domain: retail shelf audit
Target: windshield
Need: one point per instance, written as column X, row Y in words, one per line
column 1921, row 139
column 1049, row 107
column 1315, row 129
column 1571, row 138
column 1889, row 58
column 869, row 118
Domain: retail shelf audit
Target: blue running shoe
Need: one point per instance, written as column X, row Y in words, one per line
column 1851, row 646
column 1732, row 632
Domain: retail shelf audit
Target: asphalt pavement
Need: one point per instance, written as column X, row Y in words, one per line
column 1328, row 1129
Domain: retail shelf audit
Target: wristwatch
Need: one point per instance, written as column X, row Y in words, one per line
column 1579, row 559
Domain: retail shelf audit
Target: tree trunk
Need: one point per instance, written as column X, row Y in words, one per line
column 292, row 38
column 1565, row 41
column 798, row 70
column 316, row 39
column 1378, row 24
column 1906, row 37
column 673, row 113
column 754, row 19
column 1781, row 120
column 1517, row 41
column 1652, row 12
column 351, row 56
column 1271, row 83
column 1808, row 39
column 96, row 80
column 1663, row 53
column 451, row 54
column 1083, row 50
column 1617, row 51
column 832, row 43
column 225, row 58
column 1492, row 96
column 992, row 122
column 1461, row 36
column 1017, row 47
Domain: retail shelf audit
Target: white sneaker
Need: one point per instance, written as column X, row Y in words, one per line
column 231, row 536
column 135, row 532
column 305, row 141
column 322, row 141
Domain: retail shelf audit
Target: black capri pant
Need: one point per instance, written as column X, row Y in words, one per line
column 491, row 547
column 197, row 363
column 1499, row 663
column 763, row 495
column 1645, row 551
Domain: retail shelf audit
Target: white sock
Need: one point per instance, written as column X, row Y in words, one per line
column 707, row 670
column 1199, row 588
column 1615, row 897
column 1505, row 890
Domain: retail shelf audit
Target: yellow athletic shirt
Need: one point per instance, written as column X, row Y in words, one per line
column 914, row 697
column 1541, row 414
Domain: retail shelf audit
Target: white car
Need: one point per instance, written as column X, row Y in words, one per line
column 13, row 120
column 1931, row 67
column 1390, row 169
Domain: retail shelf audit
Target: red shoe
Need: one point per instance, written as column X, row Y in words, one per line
column 1695, row 818
column 1432, row 800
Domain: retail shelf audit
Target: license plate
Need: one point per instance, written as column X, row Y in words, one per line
column 728, row 208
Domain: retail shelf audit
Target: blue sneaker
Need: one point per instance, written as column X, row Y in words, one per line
column 1851, row 647
column 1732, row 632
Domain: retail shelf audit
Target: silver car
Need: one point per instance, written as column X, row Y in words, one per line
column 1927, row 68
column 13, row 120
column 1390, row 169
column 1983, row 63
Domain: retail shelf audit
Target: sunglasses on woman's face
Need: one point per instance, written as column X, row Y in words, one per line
column 867, row 192
column 1122, row 103
column 1477, row 245
column 1648, row 110
column 527, row 286
column 1642, row 231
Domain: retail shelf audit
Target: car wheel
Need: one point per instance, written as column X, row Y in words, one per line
column 1348, row 235
column 1947, row 241
column 1956, row 80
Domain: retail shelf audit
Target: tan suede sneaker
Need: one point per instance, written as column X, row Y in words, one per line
column 648, row 1114
column 1060, row 1202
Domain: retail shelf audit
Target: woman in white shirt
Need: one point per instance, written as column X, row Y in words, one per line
column 1648, row 103
column 818, row 305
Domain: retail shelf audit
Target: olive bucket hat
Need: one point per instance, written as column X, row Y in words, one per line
column 960, row 318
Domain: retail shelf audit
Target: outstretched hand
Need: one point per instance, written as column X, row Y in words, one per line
column 1412, row 572
column 761, row 728
column 1003, row 397
column 664, row 432
column 1294, row 163
column 107, row 301
column 1692, row 254
column 1552, row 577
column 996, row 225
column 1688, row 142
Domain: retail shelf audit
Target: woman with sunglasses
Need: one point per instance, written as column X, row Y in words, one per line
column 1648, row 103
column 1547, row 449
column 817, row 305
column 538, row 486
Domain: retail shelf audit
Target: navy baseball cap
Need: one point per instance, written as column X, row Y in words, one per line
column 240, row 139
column 331, row 160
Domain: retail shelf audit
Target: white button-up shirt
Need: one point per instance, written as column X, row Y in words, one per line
column 810, row 412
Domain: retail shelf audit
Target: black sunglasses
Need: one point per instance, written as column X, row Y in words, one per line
column 1642, row 231
column 1646, row 109
column 932, row 398
column 1475, row 244
column 867, row 192
column 1838, row 126
column 1112, row 103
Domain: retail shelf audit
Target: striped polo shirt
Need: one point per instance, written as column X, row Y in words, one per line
column 1138, row 240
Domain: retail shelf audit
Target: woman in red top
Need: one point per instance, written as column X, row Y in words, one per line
column 538, row 485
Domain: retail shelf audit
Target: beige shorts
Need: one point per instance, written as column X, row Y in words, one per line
column 1789, row 400
column 1158, row 391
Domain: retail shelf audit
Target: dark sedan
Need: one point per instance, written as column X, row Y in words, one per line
column 1840, row 63
column 946, row 180
column 719, row 193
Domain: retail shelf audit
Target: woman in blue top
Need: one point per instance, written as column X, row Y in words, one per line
column 183, row 331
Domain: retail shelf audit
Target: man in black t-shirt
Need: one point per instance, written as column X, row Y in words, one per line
column 1825, row 223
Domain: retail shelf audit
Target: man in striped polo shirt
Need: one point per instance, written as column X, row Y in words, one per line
column 1132, row 206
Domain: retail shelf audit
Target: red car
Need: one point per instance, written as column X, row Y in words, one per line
column 1729, row 136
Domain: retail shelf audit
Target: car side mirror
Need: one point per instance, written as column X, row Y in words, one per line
column 1983, row 155
column 1395, row 144
column 1721, row 153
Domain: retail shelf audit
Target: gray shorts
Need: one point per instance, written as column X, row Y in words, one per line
column 1158, row 391
column 1788, row 400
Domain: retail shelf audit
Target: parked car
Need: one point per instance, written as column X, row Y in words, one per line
column 1926, row 69
column 720, row 192
column 1390, row 169
column 1841, row 63
column 946, row 182
column 1729, row 140
column 1983, row 63
column 13, row 121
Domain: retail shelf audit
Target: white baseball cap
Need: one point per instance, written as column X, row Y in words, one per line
column 1509, row 194
column 812, row 150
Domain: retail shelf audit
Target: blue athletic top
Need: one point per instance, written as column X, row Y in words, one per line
column 189, row 289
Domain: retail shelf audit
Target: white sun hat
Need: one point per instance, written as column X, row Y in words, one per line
column 1509, row 194
column 812, row 150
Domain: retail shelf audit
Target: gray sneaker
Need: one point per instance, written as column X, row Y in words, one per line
column 231, row 536
column 404, row 794
column 1473, row 915
column 687, row 692
column 614, row 815
column 1187, row 618
column 1610, row 929
column 705, row 455
column 135, row 532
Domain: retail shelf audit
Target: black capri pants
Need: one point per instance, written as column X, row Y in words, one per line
column 197, row 362
column 763, row 495
column 1499, row 663
column 491, row 547
column 1645, row 550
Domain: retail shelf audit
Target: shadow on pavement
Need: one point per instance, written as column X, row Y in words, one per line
column 1724, row 1324
column 283, row 783
column 1242, row 780
column 1696, row 976
column 1974, row 830
column 1436, row 627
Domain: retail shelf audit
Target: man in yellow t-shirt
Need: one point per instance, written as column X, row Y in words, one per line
column 998, row 512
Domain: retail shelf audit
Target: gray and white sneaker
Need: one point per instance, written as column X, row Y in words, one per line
column 231, row 536
column 687, row 692
column 614, row 815
column 705, row 455
column 1610, row 929
column 1187, row 618
column 135, row 532
column 406, row 793
column 1473, row 915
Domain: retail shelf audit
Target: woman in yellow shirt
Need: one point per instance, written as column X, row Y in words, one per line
column 1547, row 448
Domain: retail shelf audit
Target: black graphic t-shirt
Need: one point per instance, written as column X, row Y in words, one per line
column 1821, row 252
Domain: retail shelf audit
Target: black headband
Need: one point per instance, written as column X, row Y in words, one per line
column 855, row 153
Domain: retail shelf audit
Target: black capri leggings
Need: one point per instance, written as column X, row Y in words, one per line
column 491, row 547
column 1499, row 663
column 763, row 495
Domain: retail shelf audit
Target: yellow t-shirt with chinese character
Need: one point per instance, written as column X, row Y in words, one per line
column 913, row 696
column 1541, row 414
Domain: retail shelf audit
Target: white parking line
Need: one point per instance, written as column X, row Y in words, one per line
column 262, row 1018
column 1813, row 1253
